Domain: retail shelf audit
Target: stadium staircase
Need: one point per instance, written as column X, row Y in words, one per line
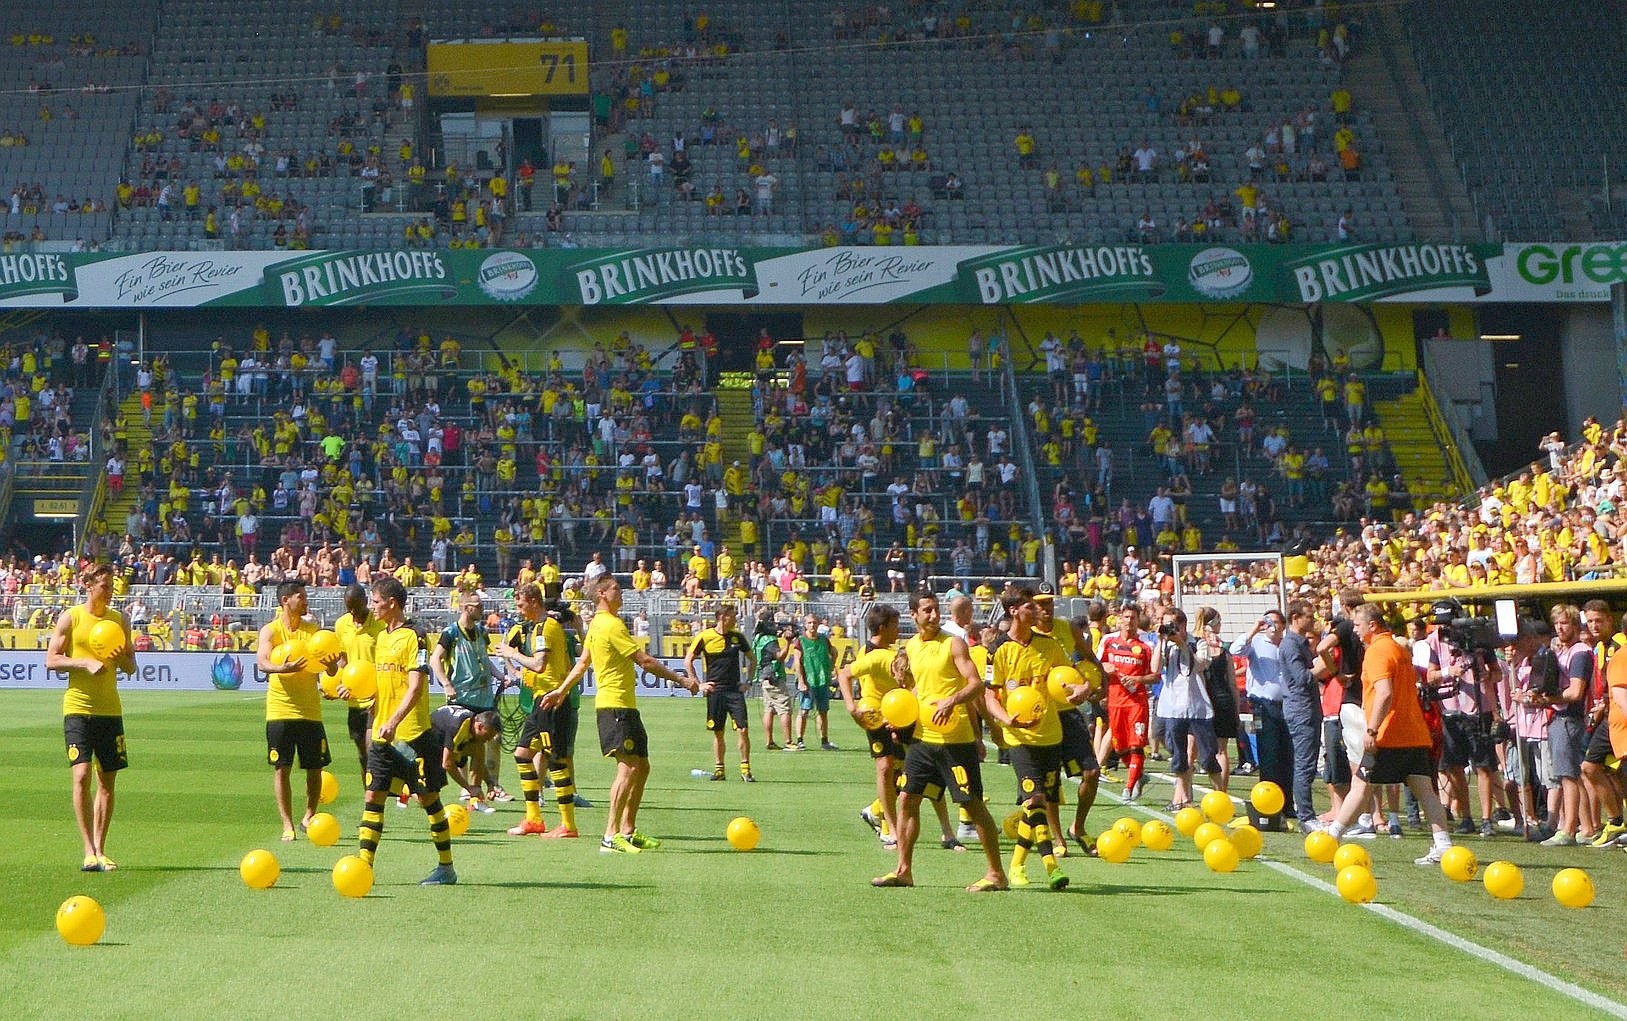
column 136, row 436
column 1385, row 76
column 1419, row 456
column 734, row 407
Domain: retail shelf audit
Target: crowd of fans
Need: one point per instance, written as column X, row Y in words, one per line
column 853, row 464
column 38, row 377
column 289, row 454
column 1198, row 424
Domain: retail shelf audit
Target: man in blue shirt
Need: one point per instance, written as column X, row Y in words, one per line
column 1274, row 746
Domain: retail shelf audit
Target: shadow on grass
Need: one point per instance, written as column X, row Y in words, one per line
column 519, row 884
column 314, row 870
column 661, row 809
column 786, row 851
column 1097, row 888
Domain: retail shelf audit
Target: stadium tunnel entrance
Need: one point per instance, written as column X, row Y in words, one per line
column 737, row 335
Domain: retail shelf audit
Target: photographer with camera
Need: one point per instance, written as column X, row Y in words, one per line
column 1463, row 678
column 1530, row 678
column 1184, row 709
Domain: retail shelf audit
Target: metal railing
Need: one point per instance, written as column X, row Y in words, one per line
column 667, row 619
column 1445, row 436
column 7, row 484
column 1467, row 470
column 1025, row 460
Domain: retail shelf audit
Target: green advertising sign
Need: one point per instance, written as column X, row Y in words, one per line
column 649, row 276
column 415, row 277
column 724, row 276
column 1354, row 273
column 23, row 276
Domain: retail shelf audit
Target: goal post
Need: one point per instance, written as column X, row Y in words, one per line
column 1242, row 586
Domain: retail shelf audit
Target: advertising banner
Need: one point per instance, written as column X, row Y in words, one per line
column 743, row 276
column 155, row 671
column 228, row 671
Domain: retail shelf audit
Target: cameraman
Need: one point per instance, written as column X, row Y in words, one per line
column 1464, row 680
column 770, row 645
column 1184, row 708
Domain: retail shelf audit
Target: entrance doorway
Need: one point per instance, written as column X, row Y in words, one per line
column 736, row 335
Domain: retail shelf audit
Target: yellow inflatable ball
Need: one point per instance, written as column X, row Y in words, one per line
column 1356, row 884
column 1247, row 840
column 1217, row 807
column 1157, row 836
column 1187, row 821
column 1220, row 855
column 1208, row 833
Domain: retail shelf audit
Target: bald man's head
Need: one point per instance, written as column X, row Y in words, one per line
column 960, row 610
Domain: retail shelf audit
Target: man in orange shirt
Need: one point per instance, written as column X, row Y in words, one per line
column 1396, row 746
column 1616, row 680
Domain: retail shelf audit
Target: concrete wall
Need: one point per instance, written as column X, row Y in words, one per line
column 1588, row 350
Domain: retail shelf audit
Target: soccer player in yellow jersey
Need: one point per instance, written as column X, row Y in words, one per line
column 357, row 630
column 405, row 748
column 720, row 647
column 464, row 735
column 613, row 655
column 92, row 716
column 863, row 683
column 293, row 707
column 945, row 759
column 1023, row 658
column 537, row 644
column 1078, row 750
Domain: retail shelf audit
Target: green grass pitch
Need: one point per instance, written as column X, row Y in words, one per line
column 555, row 929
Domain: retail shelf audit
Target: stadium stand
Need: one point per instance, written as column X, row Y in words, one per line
column 1248, row 458
column 67, row 98
column 264, row 135
column 1525, row 130
column 1007, row 70
column 925, row 163
column 482, row 459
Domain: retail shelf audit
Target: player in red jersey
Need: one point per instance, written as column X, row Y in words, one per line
column 1127, row 662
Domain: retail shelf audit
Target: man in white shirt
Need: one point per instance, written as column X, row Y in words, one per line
column 1162, row 508
column 1146, row 159
column 855, row 372
column 766, row 183
column 1261, row 645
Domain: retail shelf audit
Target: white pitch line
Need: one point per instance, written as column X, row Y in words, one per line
column 1509, row 964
